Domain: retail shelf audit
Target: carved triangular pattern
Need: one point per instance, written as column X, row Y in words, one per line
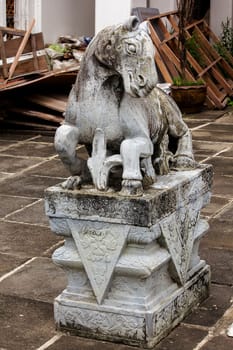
column 99, row 250
column 178, row 233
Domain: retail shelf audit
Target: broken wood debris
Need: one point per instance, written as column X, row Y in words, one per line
column 22, row 54
column 32, row 95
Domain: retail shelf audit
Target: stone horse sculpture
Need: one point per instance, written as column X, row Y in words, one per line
column 115, row 109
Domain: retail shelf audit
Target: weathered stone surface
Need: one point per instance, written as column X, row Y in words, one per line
column 134, row 275
column 169, row 193
column 117, row 111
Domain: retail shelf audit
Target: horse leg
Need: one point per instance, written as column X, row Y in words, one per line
column 132, row 151
column 183, row 157
column 66, row 140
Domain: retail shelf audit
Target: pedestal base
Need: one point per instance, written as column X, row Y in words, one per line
column 132, row 327
column 132, row 263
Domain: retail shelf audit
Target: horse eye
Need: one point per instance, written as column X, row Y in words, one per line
column 131, row 49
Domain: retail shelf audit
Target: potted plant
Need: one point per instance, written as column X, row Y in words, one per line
column 188, row 94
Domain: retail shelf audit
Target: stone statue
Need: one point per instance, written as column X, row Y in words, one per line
column 131, row 257
column 118, row 113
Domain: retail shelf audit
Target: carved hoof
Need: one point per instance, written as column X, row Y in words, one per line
column 131, row 188
column 183, row 162
column 72, row 183
column 148, row 181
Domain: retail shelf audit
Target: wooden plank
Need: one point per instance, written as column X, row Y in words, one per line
column 27, row 66
column 34, row 53
column 165, row 14
column 20, row 49
column 12, row 31
column 206, row 77
column 11, row 46
column 173, row 22
column 36, row 114
column 31, row 125
column 47, row 101
column 163, row 69
column 3, row 57
column 213, row 52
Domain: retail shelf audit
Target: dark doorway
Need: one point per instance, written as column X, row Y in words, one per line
column 10, row 13
column 201, row 9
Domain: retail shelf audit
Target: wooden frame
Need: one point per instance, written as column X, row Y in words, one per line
column 213, row 69
column 31, row 45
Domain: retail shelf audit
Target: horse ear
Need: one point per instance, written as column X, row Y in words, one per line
column 131, row 24
column 103, row 51
column 145, row 26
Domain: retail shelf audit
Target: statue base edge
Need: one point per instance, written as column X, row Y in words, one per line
column 136, row 328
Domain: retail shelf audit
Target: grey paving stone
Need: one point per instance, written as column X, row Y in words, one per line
column 10, row 204
column 14, row 164
column 219, row 234
column 4, row 144
column 222, row 165
column 216, row 132
column 15, row 136
column 9, row 262
column 25, row 241
column 182, row 338
column 24, row 324
column 27, row 186
column 219, row 343
column 228, row 153
column 223, row 186
column 76, row 343
column 205, row 115
column 227, row 213
column 215, row 205
column 208, row 148
column 51, row 168
column 44, row 138
column 39, row 280
column 208, row 313
column 31, row 149
column 34, row 214
column 221, row 263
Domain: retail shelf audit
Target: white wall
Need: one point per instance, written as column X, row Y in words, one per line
column 138, row 3
column 2, row 13
column 163, row 5
column 219, row 14
column 108, row 12
column 67, row 17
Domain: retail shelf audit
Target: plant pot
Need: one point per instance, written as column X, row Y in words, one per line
column 190, row 99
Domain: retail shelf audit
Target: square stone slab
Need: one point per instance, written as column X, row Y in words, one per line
column 169, row 192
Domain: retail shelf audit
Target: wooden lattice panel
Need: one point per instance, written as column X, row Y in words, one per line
column 207, row 64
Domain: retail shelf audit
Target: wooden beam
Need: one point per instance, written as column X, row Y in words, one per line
column 21, row 48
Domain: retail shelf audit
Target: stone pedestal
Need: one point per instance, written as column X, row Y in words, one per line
column 132, row 263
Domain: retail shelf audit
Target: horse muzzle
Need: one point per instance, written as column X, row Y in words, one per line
column 139, row 85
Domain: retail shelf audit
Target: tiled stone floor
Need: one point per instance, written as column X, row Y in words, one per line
column 29, row 280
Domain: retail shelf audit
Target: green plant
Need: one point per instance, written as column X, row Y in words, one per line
column 179, row 81
column 194, row 49
column 230, row 102
column 185, row 9
column 226, row 37
column 58, row 48
column 225, row 46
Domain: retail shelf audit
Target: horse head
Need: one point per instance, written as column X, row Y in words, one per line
column 128, row 50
